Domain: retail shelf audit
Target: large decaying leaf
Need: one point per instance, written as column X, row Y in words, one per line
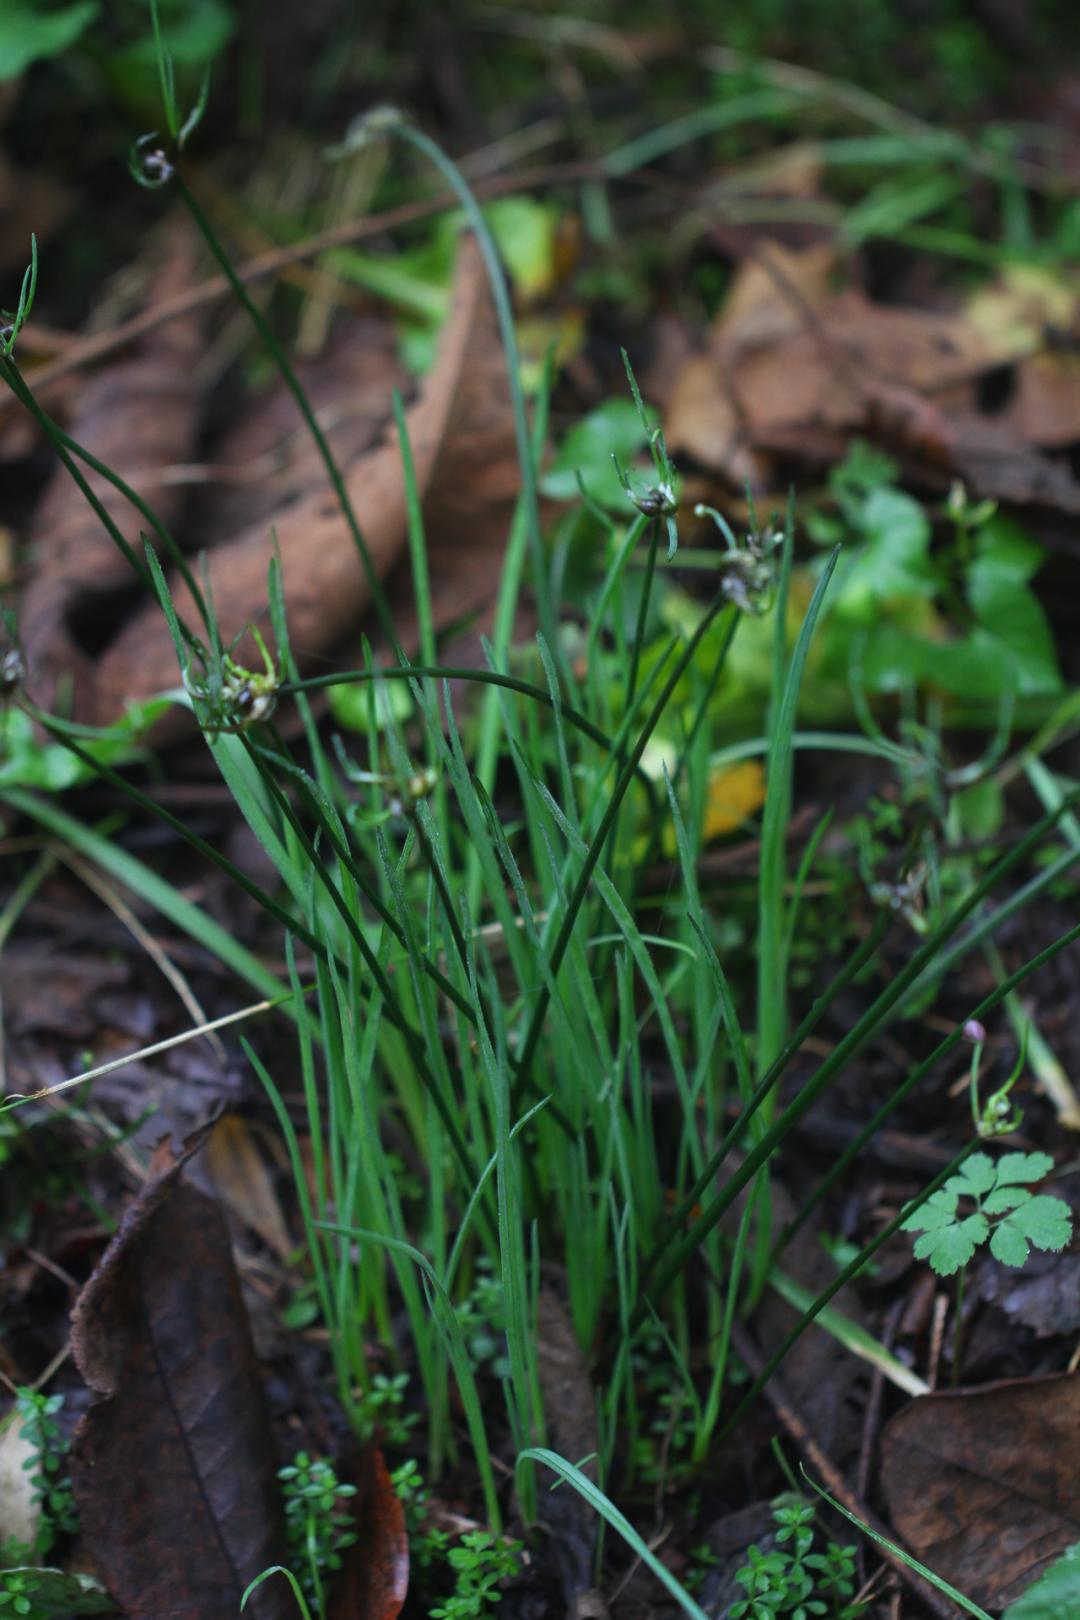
column 984, row 1485
column 461, row 435
column 794, row 366
column 374, row 1579
column 173, row 1466
column 138, row 415
column 1055, row 1594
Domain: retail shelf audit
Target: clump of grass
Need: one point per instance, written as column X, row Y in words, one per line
column 482, row 976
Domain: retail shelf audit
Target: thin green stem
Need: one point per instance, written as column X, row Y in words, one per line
column 504, row 313
column 852, row 1043
column 596, row 848
column 643, row 612
column 296, row 389
column 843, row 1277
column 63, row 443
column 917, row 1075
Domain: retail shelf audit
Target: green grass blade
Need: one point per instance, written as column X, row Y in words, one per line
column 188, row 918
column 596, row 1499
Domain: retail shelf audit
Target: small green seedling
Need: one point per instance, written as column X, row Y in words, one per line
column 379, row 1410
column 792, row 1579
column 482, row 1563
column 28, row 1589
column 318, row 1524
column 50, row 1487
column 1005, row 1211
column 987, row 1201
column 428, row 1544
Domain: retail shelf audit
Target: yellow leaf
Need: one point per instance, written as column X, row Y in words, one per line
column 735, row 792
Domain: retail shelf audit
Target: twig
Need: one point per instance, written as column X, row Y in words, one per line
column 105, row 892
column 872, row 1416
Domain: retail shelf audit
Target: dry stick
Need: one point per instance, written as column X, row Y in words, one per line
column 272, row 263
column 872, row 1419
column 799, row 1431
column 88, row 874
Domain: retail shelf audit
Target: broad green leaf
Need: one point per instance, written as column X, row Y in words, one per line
column 1002, row 1199
column 898, row 525
column 977, row 1176
column 30, row 33
column 938, row 1211
column 1003, row 551
column 27, row 760
column 1009, row 1246
column 1046, row 1220
column 952, row 1247
column 525, row 231
column 864, row 468
column 892, row 561
column 1021, row 1167
column 981, row 809
column 1014, row 628
column 1056, row 1593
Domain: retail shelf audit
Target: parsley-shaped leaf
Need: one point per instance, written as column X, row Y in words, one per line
column 938, row 1211
column 1002, row 1199
column 1006, row 1212
column 1045, row 1220
column 952, row 1246
column 1023, row 1167
column 975, row 1177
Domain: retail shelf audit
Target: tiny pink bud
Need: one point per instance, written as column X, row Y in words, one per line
column 974, row 1031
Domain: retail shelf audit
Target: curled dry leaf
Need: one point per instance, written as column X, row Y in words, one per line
column 138, row 415
column 984, row 1485
column 374, row 1580
column 461, row 435
column 793, row 367
column 173, row 1466
column 244, row 1184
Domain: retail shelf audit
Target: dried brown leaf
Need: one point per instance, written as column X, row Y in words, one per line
column 793, row 364
column 173, row 1466
column 243, row 1182
column 375, row 1579
column 138, row 415
column 460, row 431
column 984, row 1484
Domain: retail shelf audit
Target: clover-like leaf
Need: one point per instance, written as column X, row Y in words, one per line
column 1045, row 1221
column 1023, row 1167
column 938, row 1211
column 1002, row 1199
column 977, row 1176
column 950, row 1247
column 1009, row 1246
